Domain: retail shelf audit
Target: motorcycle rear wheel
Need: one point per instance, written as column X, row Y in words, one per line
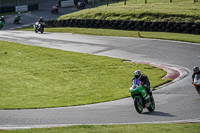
column 138, row 104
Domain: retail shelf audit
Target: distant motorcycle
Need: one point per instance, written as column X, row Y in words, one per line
column 81, row 4
column 141, row 97
column 196, row 82
column 39, row 27
column 17, row 19
column 54, row 9
column 1, row 24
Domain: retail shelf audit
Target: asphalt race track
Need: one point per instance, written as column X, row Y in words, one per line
column 31, row 17
column 177, row 102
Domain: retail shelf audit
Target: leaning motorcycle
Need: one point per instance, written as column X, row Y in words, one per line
column 54, row 10
column 1, row 24
column 39, row 27
column 141, row 97
column 17, row 19
column 196, row 82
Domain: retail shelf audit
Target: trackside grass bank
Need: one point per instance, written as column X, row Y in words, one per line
column 37, row 77
column 154, row 10
column 136, row 128
column 108, row 32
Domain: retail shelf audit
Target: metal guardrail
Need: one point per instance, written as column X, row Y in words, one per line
column 67, row 3
column 22, row 8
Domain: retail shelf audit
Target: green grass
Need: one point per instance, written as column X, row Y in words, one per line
column 11, row 13
column 155, row 10
column 136, row 128
column 123, row 33
column 36, row 77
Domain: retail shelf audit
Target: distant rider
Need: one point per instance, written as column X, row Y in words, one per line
column 195, row 71
column 55, row 8
column 41, row 20
column 2, row 19
column 19, row 14
column 144, row 80
column 57, row 5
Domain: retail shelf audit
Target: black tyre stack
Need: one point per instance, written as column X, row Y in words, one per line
column 177, row 27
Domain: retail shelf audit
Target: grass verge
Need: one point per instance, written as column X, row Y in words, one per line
column 154, row 10
column 109, row 32
column 136, row 128
column 36, row 77
column 11, row 13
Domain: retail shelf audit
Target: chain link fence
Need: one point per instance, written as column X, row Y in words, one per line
column 126, row 2
column 9, row 5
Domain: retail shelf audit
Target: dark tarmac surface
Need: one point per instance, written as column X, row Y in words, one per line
column 31, row 17
column 178, row 101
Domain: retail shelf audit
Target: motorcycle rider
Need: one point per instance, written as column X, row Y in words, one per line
column 195, row 71
column 144, row 80
column 2, row 19
column 55, row 9
column 39, row 25
column 41, row 20
column 17, row 17
column 81, row 4
column 57, row 5
column 19, row 14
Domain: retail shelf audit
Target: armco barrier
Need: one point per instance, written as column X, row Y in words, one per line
column 14, row 8
column 177, row 27
column 67, row 3
column 21, row 8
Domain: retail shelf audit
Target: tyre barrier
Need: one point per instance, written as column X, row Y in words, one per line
column 176, row 27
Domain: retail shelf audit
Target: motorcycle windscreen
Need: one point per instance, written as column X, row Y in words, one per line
column 136, row 82
column 197, row 79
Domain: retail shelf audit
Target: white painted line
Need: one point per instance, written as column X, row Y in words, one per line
column 12, row 127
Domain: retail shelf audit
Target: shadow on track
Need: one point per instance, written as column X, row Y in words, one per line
column 158, row 113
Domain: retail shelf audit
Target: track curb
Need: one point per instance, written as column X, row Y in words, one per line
column 174, row 73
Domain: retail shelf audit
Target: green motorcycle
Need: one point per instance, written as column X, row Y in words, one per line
column 141, row 98
column 1, row 24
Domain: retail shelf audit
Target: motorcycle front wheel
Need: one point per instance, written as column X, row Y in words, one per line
column 42, row 30
column 36, row 30
column 151, row 108
column 138, row 104
column 15, row 21
column 198, row 89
